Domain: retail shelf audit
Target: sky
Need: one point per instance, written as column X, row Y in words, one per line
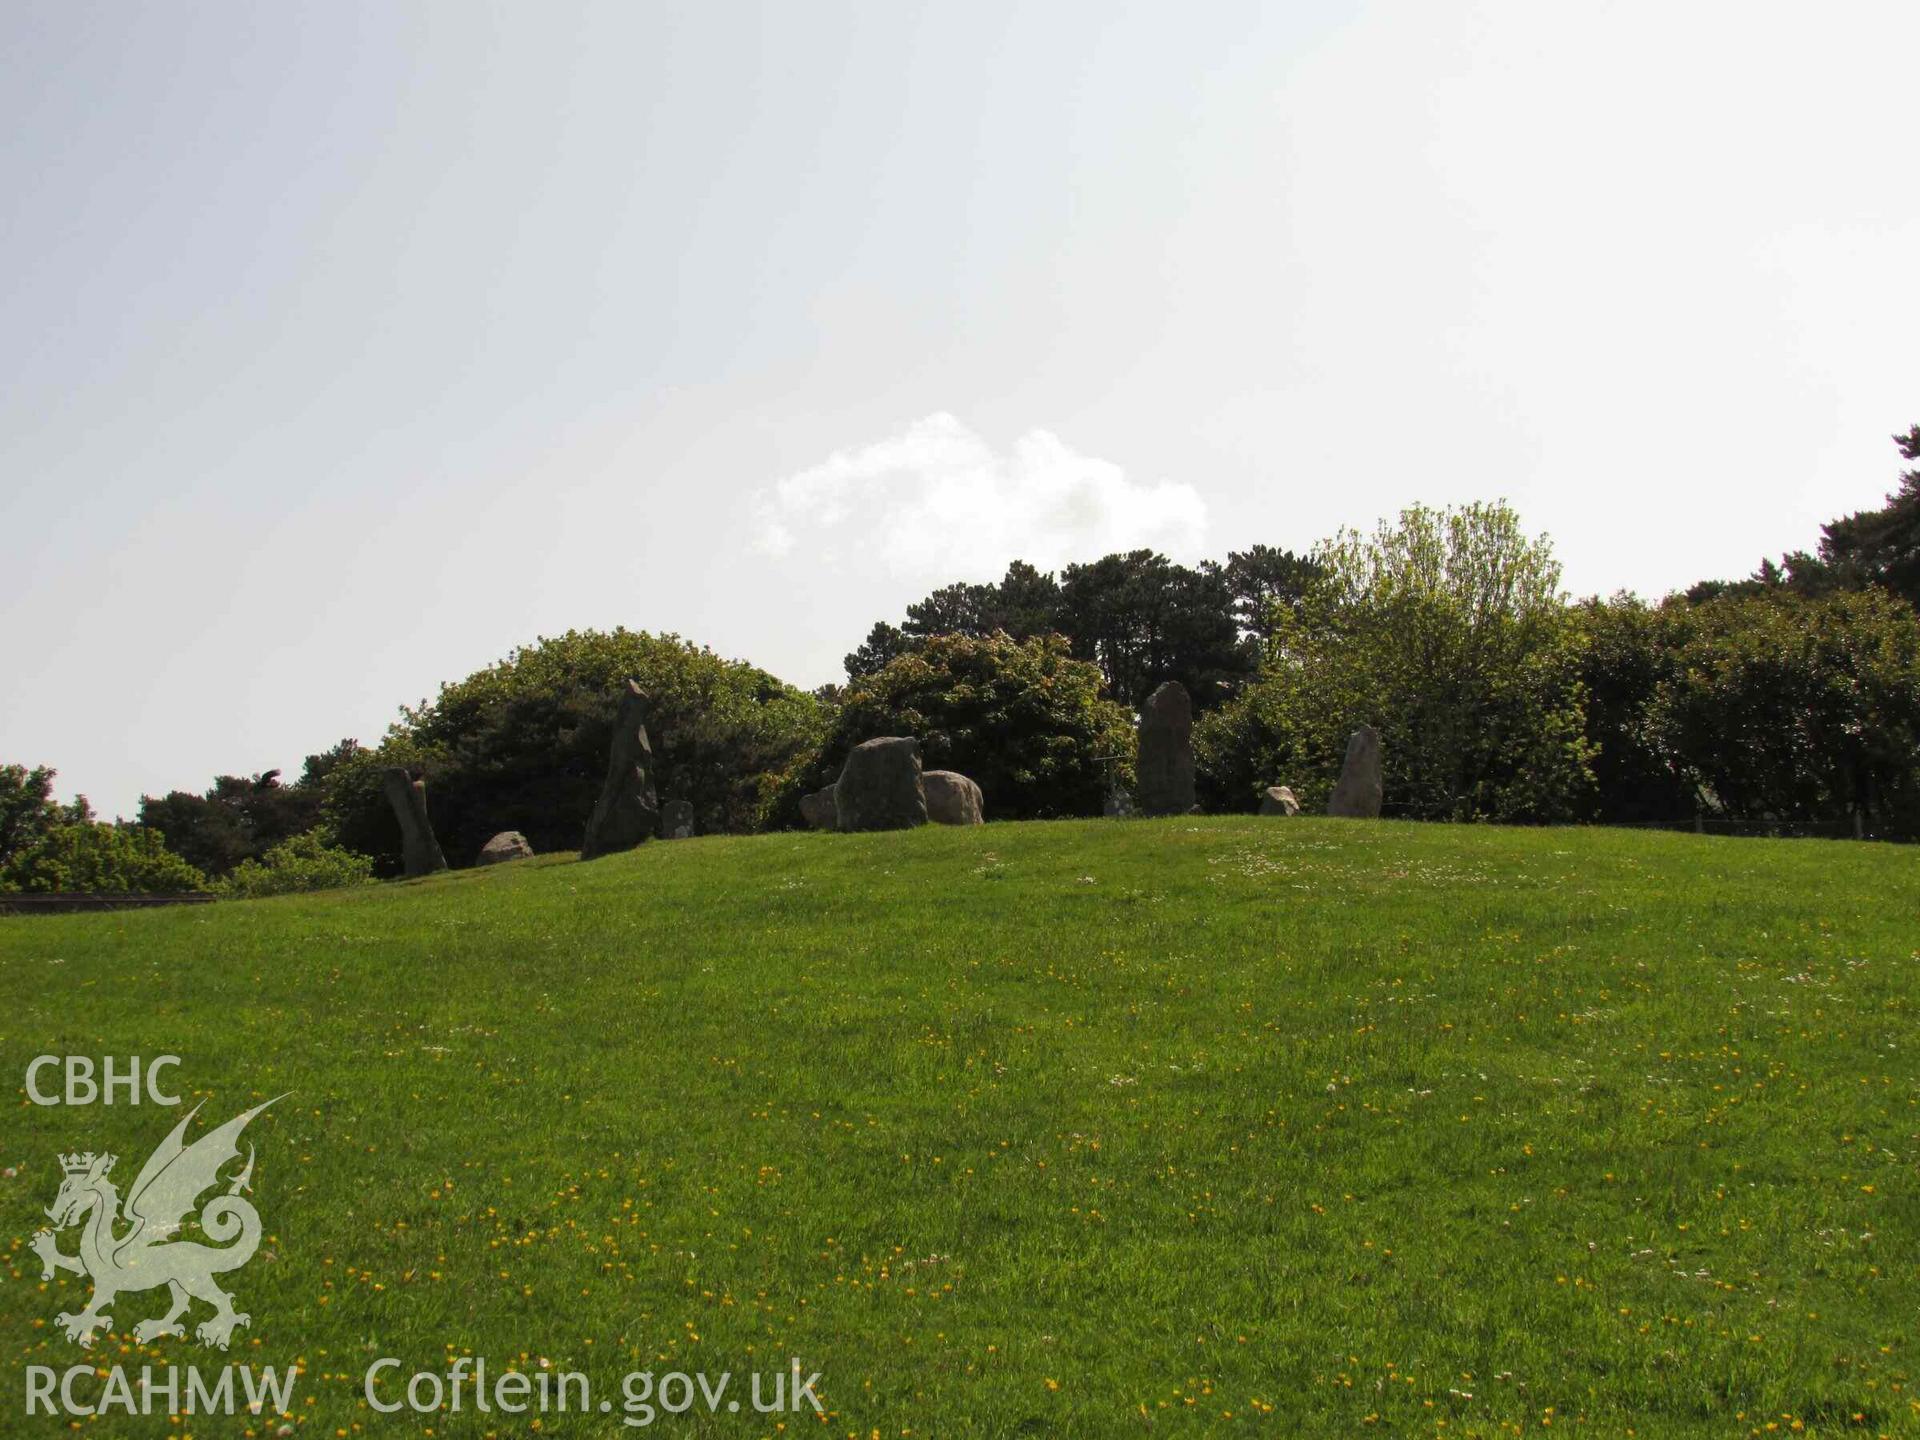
column 346, row 346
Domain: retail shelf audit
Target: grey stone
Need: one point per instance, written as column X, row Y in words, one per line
column 420, row 853
column 628, row 810
column 1356, row 795
column 879, row 787
column 507, row 845
column 676, row 820
column 819, row 811
column 1165, row 784
column 952, row 799
column 1278, row 800
column 1119, row 803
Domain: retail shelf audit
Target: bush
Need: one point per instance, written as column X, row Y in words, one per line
column 522, row 745
column 305, row 862
column 1447, row 633
column 1783, row 708
column 1022, row 718
column 92, row 857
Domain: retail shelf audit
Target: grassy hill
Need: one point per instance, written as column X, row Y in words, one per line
column 1194, row 1127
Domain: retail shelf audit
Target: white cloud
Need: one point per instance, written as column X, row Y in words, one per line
column 936, row 502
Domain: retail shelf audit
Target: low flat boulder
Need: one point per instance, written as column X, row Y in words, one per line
column 952, row 799
column 1278, row 800
column 676, row 820
column 819, row 811
column 507, row 845
column 879, row 787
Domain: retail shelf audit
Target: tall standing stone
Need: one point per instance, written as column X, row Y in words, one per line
column 419, row 852
column 628, row 810
column 1165, row 783
column 879, row 787
column 1356, row 795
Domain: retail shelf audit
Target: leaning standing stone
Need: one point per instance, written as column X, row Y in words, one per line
column 1356, row 795
column 880, row 788
column 952, row 799
column 1278, row 800
column 507, row 845
column 628, row 810
column 419, row 851
column 1165, row 783
column 676, row 820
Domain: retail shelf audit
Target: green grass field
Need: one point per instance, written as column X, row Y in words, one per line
column 1195, row 1127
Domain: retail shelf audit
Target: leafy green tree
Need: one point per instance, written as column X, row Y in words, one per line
column 1447, row 632
column 883, row 643
column 522, row 745
column 1629, row 660
column 27, row 809
column 29, row 814
column 1267, row 585
column 1144, row 620
column 1877, row 549
column 1782, row 708
column 1022, row 718
column 1025, row 602
column 1873, row 547
column 310, row 861
column 239, row 818
column 92, row 857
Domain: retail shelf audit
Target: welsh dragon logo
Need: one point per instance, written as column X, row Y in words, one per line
column 143, row 1255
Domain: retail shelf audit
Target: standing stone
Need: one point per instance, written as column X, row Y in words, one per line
column 1119, row 804
column 1356, row 795
column 419, row 851
column 628, row 810
column 952, row 799
column 880, row 788
column 1165, row 783
column 676, row 820
column 507, row 845
column 819, row 811
column 1278, row 800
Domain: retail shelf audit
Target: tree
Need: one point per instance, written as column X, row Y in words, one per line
column 1022, row 718
column 959, row 609
column 1629, row 659
column 1876, row 547
column 1143, row 620
column 1447, row 632
column 883, row 643
column 29, row 815
column 1786, row 708
column 1267, row 585
column 1867, row 549
column 1027, row 602
column 238, row 818
column 27, row 809
column 1024, row 603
